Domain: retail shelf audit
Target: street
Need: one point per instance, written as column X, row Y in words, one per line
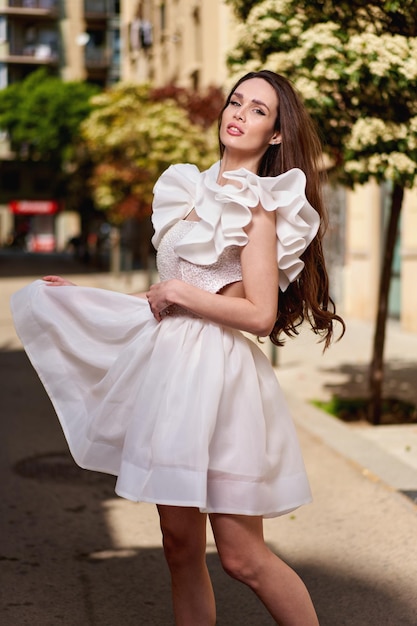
column 74, row 554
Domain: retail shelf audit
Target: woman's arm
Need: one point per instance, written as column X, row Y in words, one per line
column 57, row 281
column 254, row 312
column 138, row 294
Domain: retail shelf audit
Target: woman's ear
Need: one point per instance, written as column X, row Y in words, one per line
column 276, row 139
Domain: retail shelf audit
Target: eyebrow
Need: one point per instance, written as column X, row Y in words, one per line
column 240, row 96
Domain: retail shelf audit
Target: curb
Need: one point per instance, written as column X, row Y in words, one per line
column 363, row 452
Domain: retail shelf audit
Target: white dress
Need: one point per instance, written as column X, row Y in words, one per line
column 184, row 412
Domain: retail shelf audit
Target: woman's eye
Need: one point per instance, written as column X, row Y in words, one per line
column 234, row 103
column 259, row 111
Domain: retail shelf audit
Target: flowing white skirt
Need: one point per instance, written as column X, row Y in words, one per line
column 184, row 412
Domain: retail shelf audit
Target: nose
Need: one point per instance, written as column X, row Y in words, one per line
column 239, row 114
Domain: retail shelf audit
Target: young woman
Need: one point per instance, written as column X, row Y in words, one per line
column 164, row 391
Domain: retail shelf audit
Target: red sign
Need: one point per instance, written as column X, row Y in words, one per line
column 34, row 207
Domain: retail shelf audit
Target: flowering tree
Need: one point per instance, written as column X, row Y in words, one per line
column 202, row 107
column 132, row 139
column 355, row 65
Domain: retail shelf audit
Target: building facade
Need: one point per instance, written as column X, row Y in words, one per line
column 176, row 41
column 77, row 39
column 366, row 217
column 103, row 41
column 100, row 41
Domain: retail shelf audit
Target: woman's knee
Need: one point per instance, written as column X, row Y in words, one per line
column 183, row 534
column 242, row 564
column 241, row 548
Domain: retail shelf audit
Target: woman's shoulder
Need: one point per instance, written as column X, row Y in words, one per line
column 296, row 220
column 225, row 211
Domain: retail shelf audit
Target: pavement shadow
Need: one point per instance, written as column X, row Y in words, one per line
column 399, row 380
column 62, row 566
column 14, row 263
column 343, row 600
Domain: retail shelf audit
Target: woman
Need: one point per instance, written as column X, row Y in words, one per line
column 164, row 391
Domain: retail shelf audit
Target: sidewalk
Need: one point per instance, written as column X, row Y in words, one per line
column 73, row 554
column 308, row 374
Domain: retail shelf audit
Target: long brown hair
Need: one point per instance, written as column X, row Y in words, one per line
column 307, row 298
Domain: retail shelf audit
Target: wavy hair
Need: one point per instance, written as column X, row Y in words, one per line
column 307, row 298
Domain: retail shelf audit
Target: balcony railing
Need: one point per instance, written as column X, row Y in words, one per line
column 34, row 54
column 96, row 58
column 96, row 8
column 32, row 8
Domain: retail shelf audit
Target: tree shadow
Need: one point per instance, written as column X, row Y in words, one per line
column 345, row 600
column 63, row 566
column 15, row 263
column 399, row 381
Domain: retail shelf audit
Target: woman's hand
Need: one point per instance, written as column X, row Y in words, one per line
column 160, row 296
column 57, row 281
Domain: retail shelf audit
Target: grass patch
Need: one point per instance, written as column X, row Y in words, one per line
column 394, row 411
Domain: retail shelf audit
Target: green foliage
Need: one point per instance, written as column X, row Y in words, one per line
column 42, row 115
column 242, row 7
column 355, row 65
column 394, row 411
column 132, row 139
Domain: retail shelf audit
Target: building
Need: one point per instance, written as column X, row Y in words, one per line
column 100, row 41
column 103, row 41
column 77, row 39
column 176, row 41
column 366, row 216
column 28, row 38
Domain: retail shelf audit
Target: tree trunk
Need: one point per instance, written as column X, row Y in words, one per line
column 115, row 251
column 376, row 373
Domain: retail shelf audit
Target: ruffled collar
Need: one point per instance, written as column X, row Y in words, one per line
column 225, row 210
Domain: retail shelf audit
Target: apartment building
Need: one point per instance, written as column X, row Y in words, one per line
column 77, row 39
column 176, row 41
column 103, row 41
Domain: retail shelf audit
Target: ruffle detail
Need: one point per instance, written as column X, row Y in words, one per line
column 225, row 211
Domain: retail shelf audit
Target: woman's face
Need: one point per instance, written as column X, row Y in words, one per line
column 248, row 121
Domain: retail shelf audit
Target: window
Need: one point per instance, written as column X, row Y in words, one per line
column 3, row 29
column 162, row 17
column 3, row 75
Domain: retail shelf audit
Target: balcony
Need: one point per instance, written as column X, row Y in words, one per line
column 34, row 54
column 96, row 10
column 96, row 58
column 42, row 9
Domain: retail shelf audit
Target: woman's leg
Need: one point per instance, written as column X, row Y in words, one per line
column 184, row 541
column 245, row 556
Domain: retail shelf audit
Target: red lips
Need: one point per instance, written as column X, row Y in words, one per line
column 234, row 129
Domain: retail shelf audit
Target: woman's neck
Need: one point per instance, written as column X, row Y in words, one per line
column 230, row 163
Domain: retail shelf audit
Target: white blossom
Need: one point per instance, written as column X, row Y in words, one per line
column 268, row 7
column 278, row 62
column 322, row 34
column 400, row 163
column 308, row 89
column 369, row 131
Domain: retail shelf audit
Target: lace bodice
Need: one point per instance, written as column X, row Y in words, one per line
column 213, row 277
